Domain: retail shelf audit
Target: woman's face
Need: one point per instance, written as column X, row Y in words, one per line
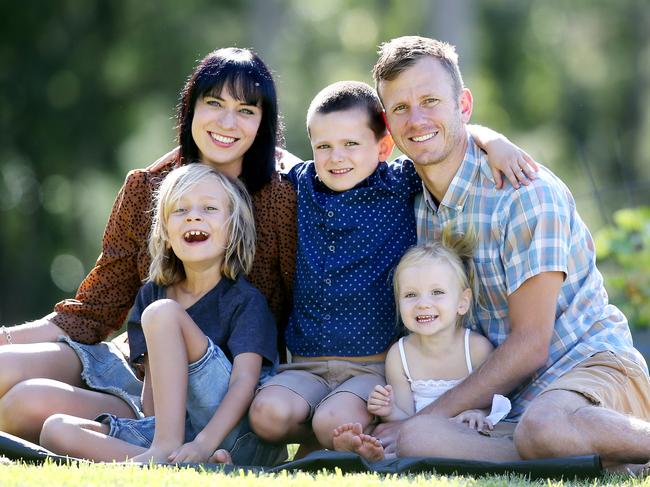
column 224, row 128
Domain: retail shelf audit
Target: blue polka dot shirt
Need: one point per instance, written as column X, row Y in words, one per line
column 348, row 245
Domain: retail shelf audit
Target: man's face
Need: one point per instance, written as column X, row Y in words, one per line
column 427, row 119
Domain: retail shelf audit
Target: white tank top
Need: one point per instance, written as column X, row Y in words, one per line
column 425, row 391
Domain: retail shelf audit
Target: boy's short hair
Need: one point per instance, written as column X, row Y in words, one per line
column 346, row 95
column 400, row 53
column 166, row 268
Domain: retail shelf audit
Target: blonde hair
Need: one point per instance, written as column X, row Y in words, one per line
column 166, row 268
column 457, row 251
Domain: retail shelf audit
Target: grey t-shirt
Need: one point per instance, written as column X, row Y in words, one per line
column 234, row 314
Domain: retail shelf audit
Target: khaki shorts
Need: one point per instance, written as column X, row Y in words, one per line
column 316, row 381
column 610, row 381
column 604, row 379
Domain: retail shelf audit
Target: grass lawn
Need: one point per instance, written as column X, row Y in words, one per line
column 119, row 475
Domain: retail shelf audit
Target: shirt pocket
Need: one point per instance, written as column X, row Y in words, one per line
column 493, row 297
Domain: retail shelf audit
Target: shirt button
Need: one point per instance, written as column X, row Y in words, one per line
column 326, row 317
column 328, row 281
column 332, row 248
column 330, row 214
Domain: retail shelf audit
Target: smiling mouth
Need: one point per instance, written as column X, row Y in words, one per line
column 338, row 172
column 425, row 318
column 195, row 236
column 222, row 138
column 423, row 138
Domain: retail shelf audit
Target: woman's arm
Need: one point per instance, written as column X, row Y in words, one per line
column 38, row 331
column 504, row 157
column 108, row 291
column 273, row 267
column 243, row 381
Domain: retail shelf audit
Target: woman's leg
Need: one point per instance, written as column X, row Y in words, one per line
column 24, row 405
column 24, row 409
column 83, row 438
column 55, row 361
column 173, row 341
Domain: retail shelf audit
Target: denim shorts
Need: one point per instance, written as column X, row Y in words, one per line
column 208, row 382
column 105, row 369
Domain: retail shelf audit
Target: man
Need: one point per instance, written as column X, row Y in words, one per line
column 563, row 354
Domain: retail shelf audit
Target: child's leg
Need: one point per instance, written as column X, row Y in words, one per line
column 339, row 409
column 347, row 403
column 173, row 341
column 28, row 404
column 279, row 415
column 283, row 406
column 55, row 361
column 83, row 438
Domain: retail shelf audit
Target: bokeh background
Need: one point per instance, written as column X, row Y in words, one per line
column 88, row 91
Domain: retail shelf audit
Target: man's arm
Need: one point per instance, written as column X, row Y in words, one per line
column 532, row 318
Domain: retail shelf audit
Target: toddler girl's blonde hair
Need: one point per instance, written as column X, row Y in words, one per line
column 454, row 249
column 167, row 269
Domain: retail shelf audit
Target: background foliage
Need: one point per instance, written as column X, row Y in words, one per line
column 88, row 90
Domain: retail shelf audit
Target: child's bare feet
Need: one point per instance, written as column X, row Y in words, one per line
column 350, row 437
column 155, row 455
column 347, row 437
column 221, row 456
column 371, row 448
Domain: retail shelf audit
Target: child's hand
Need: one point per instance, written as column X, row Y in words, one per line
column 165, row 159
column 505, row 158
column 192, row 452
column 476, row 419
column 380, row 401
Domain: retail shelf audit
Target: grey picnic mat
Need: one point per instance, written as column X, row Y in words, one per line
column 567, row 468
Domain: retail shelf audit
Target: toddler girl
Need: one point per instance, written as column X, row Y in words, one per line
column 435, row 290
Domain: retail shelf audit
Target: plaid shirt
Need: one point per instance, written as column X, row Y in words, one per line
column 522, row 233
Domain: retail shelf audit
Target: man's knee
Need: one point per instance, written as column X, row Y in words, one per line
column 537, row 434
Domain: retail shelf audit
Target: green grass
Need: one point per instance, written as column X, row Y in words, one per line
column 119, row 475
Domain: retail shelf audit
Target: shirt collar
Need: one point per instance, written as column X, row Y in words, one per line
column 459, row 188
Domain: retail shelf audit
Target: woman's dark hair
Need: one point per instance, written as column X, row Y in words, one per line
column 246, row 77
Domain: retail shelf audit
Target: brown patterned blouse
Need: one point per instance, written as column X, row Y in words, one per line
column 108, row 291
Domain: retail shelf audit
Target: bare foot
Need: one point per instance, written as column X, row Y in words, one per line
column 221, row 456
column 350, row 437
column 371, row 448
column 152, row 455
column 347, row 437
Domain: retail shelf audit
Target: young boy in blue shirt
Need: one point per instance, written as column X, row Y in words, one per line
column 355, row 220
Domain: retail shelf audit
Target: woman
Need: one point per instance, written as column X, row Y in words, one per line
column 227, row 118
